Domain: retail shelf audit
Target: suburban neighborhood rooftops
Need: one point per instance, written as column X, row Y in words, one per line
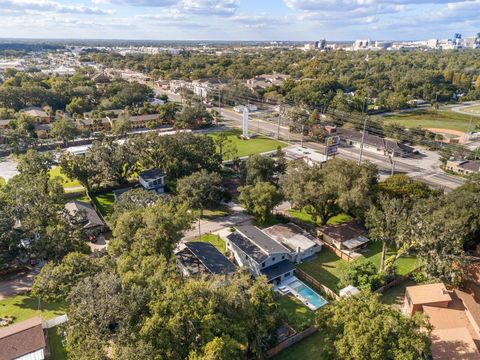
column 346, row 231
column 454, row 343
column 471, row 305
column 472, row 165
column 262, row 240
column 247, row 247
column 213, row 260
column 428, row 294
column 151, row 175
column 22, row 338
column 90, row 214
column 35, row 112
column 275, row 270
column 291, row 236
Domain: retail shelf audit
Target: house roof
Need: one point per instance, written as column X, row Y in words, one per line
column 428, row 294
column 262, row 240
column 22, row 338
column 472, row 165
column 35, row 112
column 151, row 175
column 213, row 260
column 451, row 344
column 4, row 123
column 275, row 270
column 291, row 236
column 91, row 215
column 345, row 231
column 374, row 140
column 189, row 261
column 471, row 306
column 247, row 247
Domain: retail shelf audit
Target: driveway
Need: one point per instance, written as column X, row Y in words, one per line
column 18, row 284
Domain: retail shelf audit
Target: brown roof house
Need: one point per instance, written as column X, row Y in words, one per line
column 349, row 236
column 23, row 341
column 454, row 316
column 86, row 214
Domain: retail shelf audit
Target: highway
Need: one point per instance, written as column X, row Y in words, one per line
column 433, row 177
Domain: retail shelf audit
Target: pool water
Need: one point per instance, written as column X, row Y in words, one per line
column 308, row 294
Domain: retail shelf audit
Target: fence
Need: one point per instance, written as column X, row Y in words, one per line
column 47, row 324
column 308, row 278
column 292, row 340
column 337, row 252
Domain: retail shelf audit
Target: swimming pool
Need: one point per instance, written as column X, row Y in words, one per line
column 310, row 297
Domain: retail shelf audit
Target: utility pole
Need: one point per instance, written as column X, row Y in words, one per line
column 392, row 161
column 363, row 139
column 278, row 123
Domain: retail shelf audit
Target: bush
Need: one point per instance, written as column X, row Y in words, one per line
column 362, row 274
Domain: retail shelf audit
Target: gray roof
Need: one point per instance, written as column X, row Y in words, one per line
column 91, row 215
column 247, row 247
column 210, row 257
column 151, row 175
column 472, row 165
column 374, row 140
column 278, row 269
column 262, row 240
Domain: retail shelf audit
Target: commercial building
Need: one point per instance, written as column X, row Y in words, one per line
column 464, row 167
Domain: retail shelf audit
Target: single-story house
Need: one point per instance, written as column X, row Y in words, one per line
column 37, row 113
column 349, row 235
column 464, row 167
column 203, row 258
column 301, row 243
column 374, row 143
column 454, row 316
column 23, row 341
column 259, row 253
column 153, row 179
column 86, row 214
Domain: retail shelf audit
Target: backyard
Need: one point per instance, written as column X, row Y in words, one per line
column 310, row 348
column 55, row 344
column 67, row 183
column 23, row 307
column 302, row 215
column 441, row 119
column 297, row 314
column 255, row 145
column 104, row 202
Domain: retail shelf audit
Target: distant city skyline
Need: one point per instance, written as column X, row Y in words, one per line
column 300, row 20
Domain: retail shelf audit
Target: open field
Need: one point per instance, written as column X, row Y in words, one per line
column 67, row 183
column 307, row 218
column 215, row 240
column 256, row 145
column 443, row 119
column 23, row 307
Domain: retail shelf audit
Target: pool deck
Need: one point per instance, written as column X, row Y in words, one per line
column 284, row 288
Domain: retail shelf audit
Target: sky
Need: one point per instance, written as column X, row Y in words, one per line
column 302, row 20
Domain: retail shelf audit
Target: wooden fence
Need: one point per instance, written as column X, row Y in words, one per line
column 308, row 278
column 337, row 252
column 292, row 340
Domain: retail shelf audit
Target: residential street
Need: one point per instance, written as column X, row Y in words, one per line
column 18, row 283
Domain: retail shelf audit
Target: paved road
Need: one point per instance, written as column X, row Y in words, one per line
column 18, row 283
column 459, row 108
column 425, row 171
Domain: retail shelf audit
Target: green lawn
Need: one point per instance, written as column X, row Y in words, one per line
column 297, row 314
column 215, row 240
column 475, row 109
column 394, row 296
column 404, row 265
column 310, row 348
column 67, row 183
column 443, row 119
column 23, row 307
column 104, row 202
column 55, row 344
column 325, row 267
column 307, row 218
column 255, row 145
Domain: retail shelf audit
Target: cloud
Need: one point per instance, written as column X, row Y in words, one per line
column 259, row 21
column 346, row 5
column 53, row 6
column 213, row 7
column 140, row 3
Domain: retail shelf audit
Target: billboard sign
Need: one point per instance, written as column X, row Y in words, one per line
column 332, row 141
column 331, row 150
